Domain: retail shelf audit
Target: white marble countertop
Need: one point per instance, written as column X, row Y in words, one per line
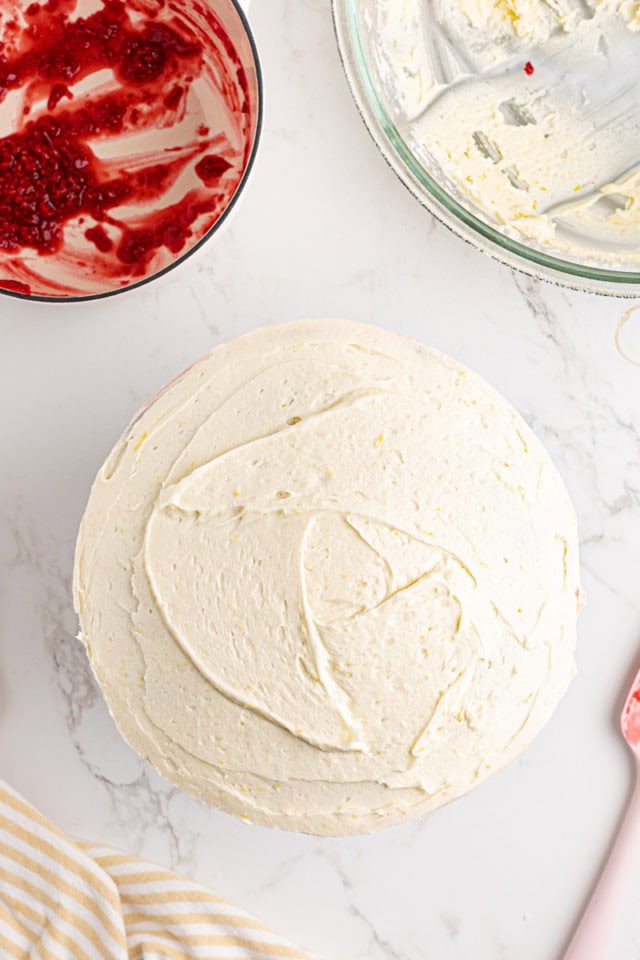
column 325, row 229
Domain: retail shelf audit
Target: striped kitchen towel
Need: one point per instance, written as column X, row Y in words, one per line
column 61, row 900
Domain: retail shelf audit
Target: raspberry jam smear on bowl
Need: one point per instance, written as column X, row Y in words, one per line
column 126, row 129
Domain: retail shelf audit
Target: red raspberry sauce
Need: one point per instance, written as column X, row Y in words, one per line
column 50, row 174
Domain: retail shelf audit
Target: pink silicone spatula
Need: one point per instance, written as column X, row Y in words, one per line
column 592, row 937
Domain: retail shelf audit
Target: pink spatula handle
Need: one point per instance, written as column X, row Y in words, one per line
column 592, row 937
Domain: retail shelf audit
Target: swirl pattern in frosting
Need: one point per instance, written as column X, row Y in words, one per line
column 328, row 579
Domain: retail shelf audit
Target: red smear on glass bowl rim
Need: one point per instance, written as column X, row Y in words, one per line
column 130, row 127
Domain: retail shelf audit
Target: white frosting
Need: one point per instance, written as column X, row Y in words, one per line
column 532, row 20
column 328, row 579
column 537, row 155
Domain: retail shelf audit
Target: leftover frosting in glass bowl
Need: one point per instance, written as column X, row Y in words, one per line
column 516, row 122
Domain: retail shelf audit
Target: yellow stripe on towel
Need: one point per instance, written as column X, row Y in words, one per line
column 61, row 900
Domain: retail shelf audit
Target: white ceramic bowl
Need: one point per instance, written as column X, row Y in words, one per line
column 128, row 137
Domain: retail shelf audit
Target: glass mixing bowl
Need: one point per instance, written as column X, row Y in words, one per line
column 573, row 68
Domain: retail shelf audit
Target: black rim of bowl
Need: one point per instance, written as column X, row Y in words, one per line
column 82, row 298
